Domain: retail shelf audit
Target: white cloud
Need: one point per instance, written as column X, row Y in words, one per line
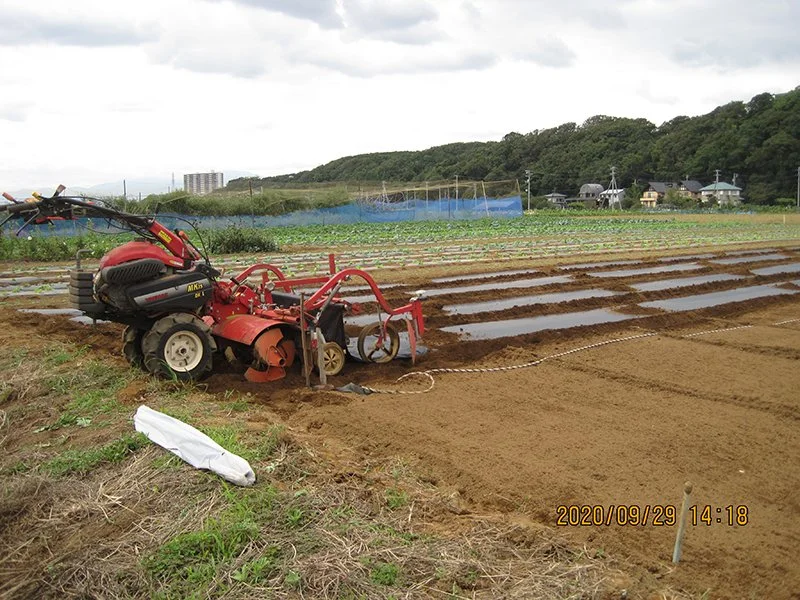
column 93, row 90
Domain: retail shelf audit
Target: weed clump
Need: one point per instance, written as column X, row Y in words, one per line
column 82, row 461
column 235, row 239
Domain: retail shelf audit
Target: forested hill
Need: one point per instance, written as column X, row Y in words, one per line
column 759, row 140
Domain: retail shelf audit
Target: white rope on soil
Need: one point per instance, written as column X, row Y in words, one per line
column 429, row 373
column 716, row 331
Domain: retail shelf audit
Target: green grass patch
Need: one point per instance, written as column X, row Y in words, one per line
column 189, row 561
column 90, row 379
column 257, row 446
column 384, row 573
column 58, row 355
column 81, row 461
column 187, row 564
column 258, row 570
column 396, row 498
column 92, row 387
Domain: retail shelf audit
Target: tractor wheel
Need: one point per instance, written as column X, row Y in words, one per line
column 132, row 345
column 179, row 346
column 374, row 347
column 332, row 358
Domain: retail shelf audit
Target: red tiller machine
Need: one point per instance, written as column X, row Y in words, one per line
column 180, row 312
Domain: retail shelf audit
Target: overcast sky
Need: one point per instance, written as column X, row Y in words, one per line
column 100, row 90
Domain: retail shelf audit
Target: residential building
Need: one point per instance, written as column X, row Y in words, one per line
column 203, row 183
column 689, row 188
column 559, row 200
column 722, row 193
column 590, row 191
column 655, row 193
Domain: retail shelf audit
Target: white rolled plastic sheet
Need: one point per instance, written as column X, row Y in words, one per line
column 193, row 446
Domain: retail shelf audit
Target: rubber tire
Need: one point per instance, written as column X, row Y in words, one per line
column 82, row 299
column 332, row 348
column 81, row 291
column 132, row 346
column 76, row 276
column 372, row 331
column 155, row 341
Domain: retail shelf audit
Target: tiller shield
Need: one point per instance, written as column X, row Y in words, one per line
column 272, row 355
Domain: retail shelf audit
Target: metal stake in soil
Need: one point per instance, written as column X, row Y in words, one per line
column 676, row 553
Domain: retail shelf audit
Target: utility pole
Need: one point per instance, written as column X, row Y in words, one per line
column 613, row 198
column 528, row 186
column 124, row 189
column 798, row 189
column 735, row 175
column 716, row 176
column 456, row 190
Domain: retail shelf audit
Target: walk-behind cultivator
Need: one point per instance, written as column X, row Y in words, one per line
column 181, row 314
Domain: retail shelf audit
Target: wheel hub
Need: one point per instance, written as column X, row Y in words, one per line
column 183, row 351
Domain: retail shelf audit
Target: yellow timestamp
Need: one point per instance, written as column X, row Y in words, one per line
column 732, row 515
column 652, row 515
column 634, row 515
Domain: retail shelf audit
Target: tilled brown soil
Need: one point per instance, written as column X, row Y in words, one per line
column 623, row 424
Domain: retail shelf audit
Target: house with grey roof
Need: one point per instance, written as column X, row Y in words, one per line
column 556, row 199
column 655, row 193
column 657, row 190
column 722, row 193
column 690, row 188
column 589, row 194
column 590, row 191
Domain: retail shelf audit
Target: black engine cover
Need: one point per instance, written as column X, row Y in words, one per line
column 180, row 291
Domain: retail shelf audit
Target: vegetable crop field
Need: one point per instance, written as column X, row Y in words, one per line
column 579, row 370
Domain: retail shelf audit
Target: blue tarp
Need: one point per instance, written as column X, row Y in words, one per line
column 411, row 210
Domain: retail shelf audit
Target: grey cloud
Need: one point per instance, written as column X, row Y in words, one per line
column 550, row 52
column 407, row 22
column 604, row 15
column 16, row 112
column 26, row 28
column 372, row 15
column 466, row 62
column 321, row 12
column 732, row 36
column 743, row 53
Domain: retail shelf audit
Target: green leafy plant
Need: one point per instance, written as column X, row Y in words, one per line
column 385, row 574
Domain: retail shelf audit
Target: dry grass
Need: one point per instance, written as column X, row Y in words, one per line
column 152, row 527
column 94, row 537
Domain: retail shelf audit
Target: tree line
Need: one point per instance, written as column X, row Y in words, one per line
column 758, row 140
